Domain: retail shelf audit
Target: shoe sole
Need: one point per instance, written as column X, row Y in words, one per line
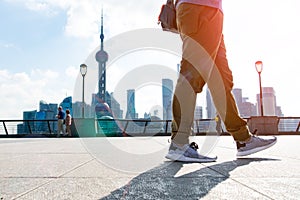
column 182, row 158
column 255, row 150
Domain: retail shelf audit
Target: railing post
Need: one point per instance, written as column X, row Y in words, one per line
column 126, row 125
column 297, row 130
column 5, row 128
column 166, row 130
column 197, row 125
column 146, row 123
column 49, row 127
column 29, row 128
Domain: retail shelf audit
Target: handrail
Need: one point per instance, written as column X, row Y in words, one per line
column 285, row 125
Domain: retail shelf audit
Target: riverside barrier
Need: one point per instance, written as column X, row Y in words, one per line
column 90, row 127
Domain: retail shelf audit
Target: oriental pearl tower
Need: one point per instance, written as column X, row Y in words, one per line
column 101, row 56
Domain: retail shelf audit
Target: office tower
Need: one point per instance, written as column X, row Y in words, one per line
column 167, row 95
column 130, row 113
column 238, row 96
column 44, row 106
column 67, row 104
column 198, row 113
column 210, row 106
column 28, row 115
column 245, row 108
column 115, row 107
column 269, row 102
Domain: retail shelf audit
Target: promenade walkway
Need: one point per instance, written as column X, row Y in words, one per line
column 135, row 168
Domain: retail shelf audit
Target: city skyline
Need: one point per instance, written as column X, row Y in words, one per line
column 207, row 110
column 43, row 44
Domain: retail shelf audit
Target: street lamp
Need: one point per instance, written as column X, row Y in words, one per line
column 259, row 68
column 83, row 70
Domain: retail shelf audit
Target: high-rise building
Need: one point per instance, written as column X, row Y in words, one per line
column 46, row 111
column 198, row 114
column 269, row 102
column 245, row 108
column 210, row 106
column 131, row 113
column 115, row 107
column 67, row 104
column 238, row 96
column 44, row 106
column 28, row 115
column 167, row 95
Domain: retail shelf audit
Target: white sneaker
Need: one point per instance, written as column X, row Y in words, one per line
column 255, row 144
column 187, row 153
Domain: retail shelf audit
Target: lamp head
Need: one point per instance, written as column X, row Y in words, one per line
column 259, row 66
column 83, row 69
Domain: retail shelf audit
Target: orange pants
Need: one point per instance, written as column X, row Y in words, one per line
column 203, row 62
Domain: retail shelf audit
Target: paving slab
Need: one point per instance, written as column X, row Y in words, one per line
column 135, row 168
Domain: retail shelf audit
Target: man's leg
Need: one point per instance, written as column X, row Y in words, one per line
column 200, row 28
column 235, row 125
column 190, row 82
column 184, row 101
column 59, row 127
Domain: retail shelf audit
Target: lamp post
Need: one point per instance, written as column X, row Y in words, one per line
column 259, row 68
column 83, row 70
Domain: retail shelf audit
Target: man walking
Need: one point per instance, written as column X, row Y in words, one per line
column 200, row 24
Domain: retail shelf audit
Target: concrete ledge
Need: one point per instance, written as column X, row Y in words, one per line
column 264, row 125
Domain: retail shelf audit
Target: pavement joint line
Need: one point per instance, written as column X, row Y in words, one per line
column 35, row 188
column 76, row 167
column 251, row 188
column 234, row 180
column 42, row 153
column 53, row 178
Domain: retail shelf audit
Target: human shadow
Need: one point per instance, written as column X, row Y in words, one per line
column 162, row 182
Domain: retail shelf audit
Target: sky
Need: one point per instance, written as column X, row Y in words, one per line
column 43, row 43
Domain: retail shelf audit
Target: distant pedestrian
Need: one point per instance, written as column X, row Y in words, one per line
column 68, row 122
column 218, row 124
column 60, row 121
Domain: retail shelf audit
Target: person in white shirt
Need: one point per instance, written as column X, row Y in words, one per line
column 68, row 121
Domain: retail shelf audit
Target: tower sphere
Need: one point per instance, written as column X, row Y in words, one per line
column 101, row 56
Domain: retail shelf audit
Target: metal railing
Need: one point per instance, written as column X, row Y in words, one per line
column 121, row 127
column 23, row 127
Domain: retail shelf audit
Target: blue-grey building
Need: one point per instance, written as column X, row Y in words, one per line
column 167, row 96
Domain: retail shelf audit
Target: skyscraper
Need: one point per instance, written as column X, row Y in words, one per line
column 238, row 96
column 269, row 102
column 210, row 106
column 67, row 104
column 167, row 95
column 245, row 108
column 130, row 114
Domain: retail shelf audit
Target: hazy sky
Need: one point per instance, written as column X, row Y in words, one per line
column 42, row 44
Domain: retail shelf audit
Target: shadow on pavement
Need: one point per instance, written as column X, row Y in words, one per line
column 162, row 183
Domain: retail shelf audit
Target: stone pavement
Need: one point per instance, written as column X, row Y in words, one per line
column 135, row 168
